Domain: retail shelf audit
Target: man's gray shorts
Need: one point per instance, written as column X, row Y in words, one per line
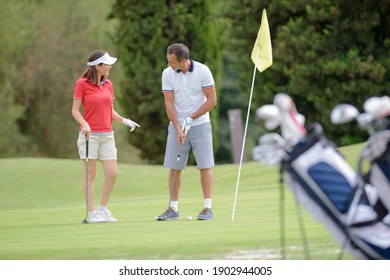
column 199, row 138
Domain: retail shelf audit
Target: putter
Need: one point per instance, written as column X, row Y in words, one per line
column 174, row 174
column 174, row 180
column 158, row 218
column 86, row 181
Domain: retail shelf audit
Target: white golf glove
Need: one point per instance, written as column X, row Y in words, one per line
column 130, row 123
column 186, row 125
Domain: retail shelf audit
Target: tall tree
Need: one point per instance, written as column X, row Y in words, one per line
column 43, row 52
column 12, row 141
column 145, row 30
column 325, row 52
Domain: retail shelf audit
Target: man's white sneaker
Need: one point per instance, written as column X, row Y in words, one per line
column 106, row 214
column 96, row 218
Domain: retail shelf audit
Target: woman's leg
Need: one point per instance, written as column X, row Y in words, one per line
column 91, row 179
column 110, row 173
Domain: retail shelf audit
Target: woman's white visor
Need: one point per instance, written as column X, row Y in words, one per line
column 106, row 59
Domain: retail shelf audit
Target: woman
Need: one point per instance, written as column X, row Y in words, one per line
column 94, row 92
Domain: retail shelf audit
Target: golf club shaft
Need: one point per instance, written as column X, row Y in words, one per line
column 174, row 175
column 86, row 175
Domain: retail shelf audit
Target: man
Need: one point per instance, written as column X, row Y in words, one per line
column 189, row 94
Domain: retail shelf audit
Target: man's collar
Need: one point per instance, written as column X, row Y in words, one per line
column 191, row 66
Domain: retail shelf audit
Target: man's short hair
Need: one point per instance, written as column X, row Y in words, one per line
column 180, row 50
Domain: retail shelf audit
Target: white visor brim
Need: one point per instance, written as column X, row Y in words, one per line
column 106, row 59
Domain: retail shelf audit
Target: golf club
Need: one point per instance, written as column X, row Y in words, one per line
column 271, row 116
column 292, row 123
column 172, row 187
column 378, row 107
column 271, row 150
column 174, row 174
column 344, row 113
column 86, row 180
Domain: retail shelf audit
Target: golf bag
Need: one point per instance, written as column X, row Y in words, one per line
column 377, row 154
column 376, row 121
column 324, row 183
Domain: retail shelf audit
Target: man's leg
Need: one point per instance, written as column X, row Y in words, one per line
column 207, row 180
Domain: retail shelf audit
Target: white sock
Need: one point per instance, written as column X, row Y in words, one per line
column 207, row 203
column 102, row 208
column 174, row 205
column 91, row 213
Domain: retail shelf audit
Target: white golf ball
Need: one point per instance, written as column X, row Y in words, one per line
column 189, row 218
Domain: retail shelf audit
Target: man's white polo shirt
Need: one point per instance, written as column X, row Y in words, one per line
column 188, row 90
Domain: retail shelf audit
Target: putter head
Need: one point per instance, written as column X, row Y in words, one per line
column 84, row 222
column 343, row 113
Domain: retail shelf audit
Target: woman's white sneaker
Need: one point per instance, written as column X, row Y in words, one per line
column 97, row 218
column 106, row 214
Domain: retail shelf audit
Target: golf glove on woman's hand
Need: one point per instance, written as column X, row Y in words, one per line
column 130, row 123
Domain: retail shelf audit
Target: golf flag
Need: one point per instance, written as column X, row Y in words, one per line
column 262, row 58
column 262, row 50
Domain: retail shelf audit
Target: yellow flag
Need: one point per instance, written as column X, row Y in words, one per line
column 262, row 50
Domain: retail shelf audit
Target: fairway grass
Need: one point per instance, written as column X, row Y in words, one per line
column 42, row 209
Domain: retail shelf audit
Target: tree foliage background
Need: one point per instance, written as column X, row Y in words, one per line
column 325, row 52
column 44, row 49
column 143, row 34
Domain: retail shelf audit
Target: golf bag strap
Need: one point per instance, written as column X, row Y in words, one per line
column 282, row 219
column 379, row 207
column 367, row 223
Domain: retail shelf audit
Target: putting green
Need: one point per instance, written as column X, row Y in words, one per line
column 42, row 209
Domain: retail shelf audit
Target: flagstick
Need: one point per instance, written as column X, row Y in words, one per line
column 243, row 142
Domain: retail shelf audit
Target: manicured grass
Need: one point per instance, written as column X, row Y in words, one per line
column 41, row 208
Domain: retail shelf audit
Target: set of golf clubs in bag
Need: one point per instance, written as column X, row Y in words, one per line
column 353, row 206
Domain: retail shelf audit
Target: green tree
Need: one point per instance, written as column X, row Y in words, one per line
column 12, row 141
column 144, row 32
column 45, row 45
column 325, row 52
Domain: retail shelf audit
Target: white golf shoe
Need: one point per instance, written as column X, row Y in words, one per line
column 106, row 214
column 96, row 218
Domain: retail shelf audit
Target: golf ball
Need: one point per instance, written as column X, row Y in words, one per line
column 189, row 218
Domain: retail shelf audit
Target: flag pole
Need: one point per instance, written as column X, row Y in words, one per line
column 262, row 58
column 243, row 142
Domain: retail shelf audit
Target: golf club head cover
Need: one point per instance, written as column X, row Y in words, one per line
column 133, row 125
column 291, row 122
column 271, row 116
column 186, row 125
